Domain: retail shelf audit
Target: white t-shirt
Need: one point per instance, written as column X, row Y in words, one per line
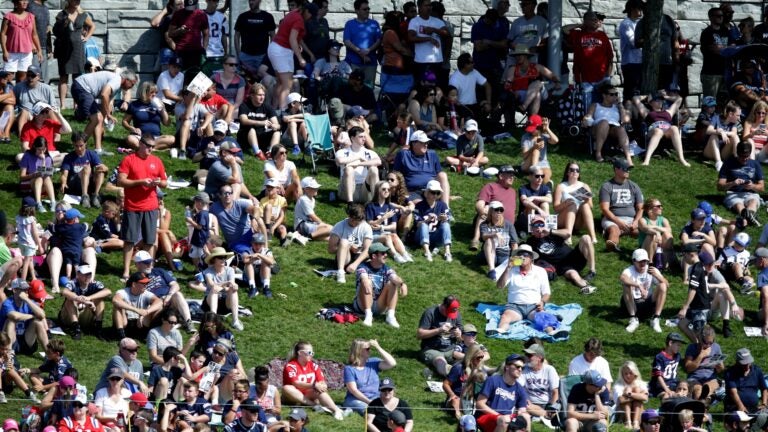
column 579, row 366
column 110, row 408
column 539, row 384
column 166, row 82
column 527, row 289
column 361, row 172
column 645, row 279
column 218, row 29
column 465, row 84
column 284, row 175
column 355, row 235
column 427, row 52
column 620, row 386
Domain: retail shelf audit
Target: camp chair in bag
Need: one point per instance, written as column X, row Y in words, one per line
column 319, row 142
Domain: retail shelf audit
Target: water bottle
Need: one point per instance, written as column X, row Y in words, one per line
column 123, row 150
column 187, row 212
column 332, row 196
column 121, row 420
column 658, row 258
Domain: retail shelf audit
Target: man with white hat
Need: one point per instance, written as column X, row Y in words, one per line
column 84, row 302
column 527, row 288
column 420, row 165
column 644, row 290
column 359, row 168
column 470, row 149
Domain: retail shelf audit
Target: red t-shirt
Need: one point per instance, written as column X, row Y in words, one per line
column 292, row 21
column 196, row 21
column 308, row 374
column 141, row 198
column 592, row 54
column 213, row 103
column 50, row 128
column 90, row 424
column 496, row 192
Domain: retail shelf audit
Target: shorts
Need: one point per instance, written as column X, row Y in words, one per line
column 607, row 223
column 361, row 194
column 196, row 252
column 573, row 261
column 359, row 309
column 222, row 309
column 86, row 102
column 644, row 308
column 306, row 228
column 697, row 318
column 21, row 347
column 431, row 354
column 523, row 309
column 734, row 198
column 71, row 257
column 251, row 62
column 28, row 251
column 139, row 226
column 85, row 316
column 243, row 244
column 18, row 62
column 487, row 422
column 281, row 58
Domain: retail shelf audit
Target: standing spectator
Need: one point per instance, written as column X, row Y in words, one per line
column 621, row 202
column 189, row 30
column 140, row 174
column 102, row 85
column 530, row 32
column 631, row 54
column 29, row 92
column 362, row 36
column 218, row 38
column 72, row 28
column 28, row 237
column 745, row 388
column 489, row 44
column 466, row 79
column 592, row 55
column 644, row 291
column 260, row 27
column 761, row 30
column 318, row 35
column 287, row 44
column 664, row 382
column 713, row 39
column 669, row 49
column 259, row 127
column 503, row 397
column 82, row 173
column 42, row 23
column 349, row 241
column 446, row 43
column 19, row 39
column 742, row 179
column 425, row 32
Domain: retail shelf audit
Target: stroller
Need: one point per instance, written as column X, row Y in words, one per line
column 670, row 409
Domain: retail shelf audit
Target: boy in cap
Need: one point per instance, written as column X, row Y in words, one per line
column 69, row 237
column 470, row 149
column 467, row 423
column 305, row 221
column 502, row 397
column 664, row 382
column 263, row 264
column 745, row 388
column 23, row 320
column 588, row 404
column 199, row 219
column 737, row 421
column 621, row 202
column 734, row 263
column 134, row 307
column 378, row 287
column 397, row 421
column 83, row 302
column 644, row 291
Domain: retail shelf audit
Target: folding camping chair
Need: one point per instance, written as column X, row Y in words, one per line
column 319, row 142
column 566, row 384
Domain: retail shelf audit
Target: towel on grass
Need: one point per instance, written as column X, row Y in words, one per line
column 524, row 330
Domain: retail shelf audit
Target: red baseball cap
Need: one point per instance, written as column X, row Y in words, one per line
column 139, row 398
column 451, row 308
column 534, row 122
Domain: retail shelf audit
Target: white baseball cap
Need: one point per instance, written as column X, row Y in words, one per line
column 639, row 255
column 434, row 185
column 470, row 125
column 142, row 256
column 295, row 97
column 220, row 126
column 419, row 136
column 310, row 182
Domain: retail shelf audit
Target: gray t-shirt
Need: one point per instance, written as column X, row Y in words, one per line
column 234, row 222
column 305, row 207
column 141, row 301
column 27, row 97
column 135, row 369
column 622, row 197
column 198, row 114
column 528, row 32
column 539, row 384
column 217, row 177
column 159, row 342
column 94, row 82
column 355, row 235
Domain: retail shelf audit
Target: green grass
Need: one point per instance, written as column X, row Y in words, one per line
column 277, row 324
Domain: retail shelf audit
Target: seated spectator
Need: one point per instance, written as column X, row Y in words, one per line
column 7, row 106
column 389, row 412
column 48, row 123
column 330, row 73
column 361, row 375
column 534, row 145
column 266, row 394
column 304, row 382
column 418, row 165
column 356, row 93
column 433, row 223
column 470, row 149
column 229, row 365
column 621, row 202
column 745, row 388
column 202, row 224
column 274, row 207
column 220, row 286
column 148, row 114
column 502, row 397
column 212, row 329
column 592, row 359
column 259, row 126
column 761, row 262
column 193, row 123
column 163, row 336
column 125, row 360
column 229, row 84
column 719, row 136
column 349, row 241
column 357, row 116
column 644, row 291
column 664, row 383
column 535, row 199
column 359, row 168
column 187, row 412
column 572, row 202
column 170, row 84
column 165, row 378
column 734, row 263
column 264, row 265
column 423, row 110
column 630, row 393
column 36, row 173
column 134, row 308
column 655, row 234
column 440, row 328
column 524, row 82
column 226, row 170
column 79, row 420
column 552, row 246
column 588, row 404
column 165, row 238
column 292, row 124
column 31, row 91
column 69, row 245
column 755, row 130
column 455, row 384
column 466, row 79
column 541, row 383
column 11, row 373
column 502, row 191
column 696, row 236
column 737, row 421
column 219, row 107
column 401, row 200
column 382, row 216
column 401, row 136
column 305, row 221
column 241, row 402
column 52, row 370
column 112, row 399
column 468, row 340
column 742, row 180
column 250, row 415
column 82, row 173
column 23, row 320
column 284, row 171
column 650, row 421
column 660, row 124
column 702, row 373
column 84, row 302
column 165, row 286
column 378, row 287
column 527, row 288
column 499, row 238
column 607, row 119
column 452, row 115
column 747, row 85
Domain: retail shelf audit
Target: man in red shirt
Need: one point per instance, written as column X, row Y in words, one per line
column 140, row 174
column 189, row 31
column 592, row 55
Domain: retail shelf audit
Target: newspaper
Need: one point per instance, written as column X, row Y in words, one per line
column 200, row 84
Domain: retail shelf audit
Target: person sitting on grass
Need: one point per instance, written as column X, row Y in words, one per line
column 264, row 265
column 349, row 241
column 164, row 285
column 105, row 228
column 742, row 180
column 660, row 123
column 23, row 320
column 630, row 394
column 644, row 291
column 220, row 286
column 499, row 237
column 502, row 397
column 305, row 221
column 527, row 288
column 193, row 123
column 378, row 287
column 35, row 173
column 621, row 202
column 470, row 149
column 388, row 411
column 361, row 375
column 440, row 328
column 274, row 207
column 502, row 191
column 82, row 173
column 163, row 336
column 535, row 198
column 69, row 245
column 588, row 401
column 304, row 382
column 432, row 227
column 655, row 234
column 280, row 168
column 292, row 123
column 84, row 303
column 134, row 307
column 664, row 383
column 12, row 373
column 572, row 202
column 382, row 216
column 734, row 263
column 591, row 359
column 164, row 379
column 49, row 123
column 47, row 375
column 191, row 410
column 418, row 165
column 359, row 168
column 400, row 136
column 745, row 388
column 702, row 373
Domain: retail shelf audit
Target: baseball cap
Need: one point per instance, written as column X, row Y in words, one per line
column 744, row 357
column 5, row 74
column 434, row 185
column 67, row 381
column 39, row 107
column 535, row 349
column 387, row 383
column 451, row 306
column 28, row 201
column 272, row 182
column 33, row 70
column 507, row 169
column 708, row 101
column 496, row 205
column 10, row 424
column 738, row 416
column 706, row 206
column 538, row 218
column 142, row 256
column 297, row 414
column 706, row 258
column 649, row 414
column 590, row 15
column 594, row 378
column 80, row 399
column 139, row 398
column 377, row 247
column 468, row 423
column 470, row 329
column 419, row 136
column 621, row 164
column 471, row 125
column 86, row 269
column 534, row 121
column 310, row 182
column 230, row 147
column 73, row 213
column 513, row 358
column 220, row 126
column 259, row 238
column 357, row 111
column 698, row 213
column 250, row 405
column 398, row 418
column 742, row 238
column 640, row 255
column 675, row 336
column 115, row 373
column 202, row 197
column 37, row 290
column 312, row 9
column 138, row 277
column 295, row 97
column 761, row 252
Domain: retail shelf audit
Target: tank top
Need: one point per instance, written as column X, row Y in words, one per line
column 522, row 79
column 610, row 114
column 641, row 236
column 19, row 33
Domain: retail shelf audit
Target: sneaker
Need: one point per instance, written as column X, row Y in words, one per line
column 261, row 156
column 288, row 239
column 267, row 292
column 33, row 397
column 492, row 275
column 591, row 275
column 300, row 239
column 77, row 334
column 428, row 256
column 3, row 399
column 319, row 408
column 85, row 201
column 253, row 292
column 588, row 289
column 296, row 150
column 95, row 201
column 547, row 422
column 408, row 257
column 189, row 327
column 341, row 277
column 611, row 246
column 718, row 165
column 399, row 259
column 338, row 415
column 655, row 325
column 448, row 257
column 347, row 412
column 368, row 321
column 237, row 325
column 392, row 321
column 633, row 325
column 183, row 155
column 41, row 208
column 747, row 287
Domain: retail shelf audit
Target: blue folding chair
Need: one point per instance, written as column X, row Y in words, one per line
column 320, row 142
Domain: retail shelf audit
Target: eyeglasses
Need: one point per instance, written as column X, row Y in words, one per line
column 307, row 353
column 282, row 152
column 218, row 353
column 227, row 193
column 386, row 390
column 652, row 422
column 172, row 322
column 573, row 170
column 516, row 365
column 384, row 189
column 112, row 379
column 538, row 175
column 658, row 206
column 525, row 255
column 131, row 350
column 230, row 64
column 435, row 192
column 147, row 144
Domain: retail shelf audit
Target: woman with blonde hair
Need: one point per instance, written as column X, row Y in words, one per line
column 458, row 391
column 756, row 130
column 361, row 375
column 399, row 198
column 630, row 393
column 147, row 114
column 655, row 234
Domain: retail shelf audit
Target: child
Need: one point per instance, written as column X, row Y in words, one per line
column 401, row 136
column 106, row 228
column 28, row 235
column 734, row 263
column 188, row 412
column 69, row 237
column 173, row 368
column 55, row 365
column 263, row 264
column 686, row 421
column 11, row 371
column 199, row 220
column 664, row 380
column 630, row 394
column 682, row 389
column 724, row 228
column 306, row 223
column 198, row 368
column 274, row 206
column 470, row 149
column 468, row 339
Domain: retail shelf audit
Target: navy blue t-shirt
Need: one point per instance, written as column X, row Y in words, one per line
column 145, row 117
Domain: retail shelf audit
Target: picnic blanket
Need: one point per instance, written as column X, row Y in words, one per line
column 524, row 330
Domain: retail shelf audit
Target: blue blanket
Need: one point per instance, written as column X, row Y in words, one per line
column 524, row 330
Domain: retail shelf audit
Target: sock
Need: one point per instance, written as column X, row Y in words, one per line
column 368, row 313
column 251, row 284
column 390, row 313
column 265, row 281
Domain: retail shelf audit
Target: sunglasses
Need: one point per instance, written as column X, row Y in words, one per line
column 218, row 353
column 172, row 322
column 131, row 350
column 499, row 210
column 652, row 422
column 147, row 144
column 435, row 192
column 282, row 153
column 227, row 193
column 658, row 206
column 611, row 94
column 538, row 175
column 573, row 170
column 307, row 353
column 113, row 379
column 538, row 225
column 516, row 365
column 230, row 64
column 525, row 255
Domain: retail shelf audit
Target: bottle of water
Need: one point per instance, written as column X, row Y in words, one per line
column 658, row 258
